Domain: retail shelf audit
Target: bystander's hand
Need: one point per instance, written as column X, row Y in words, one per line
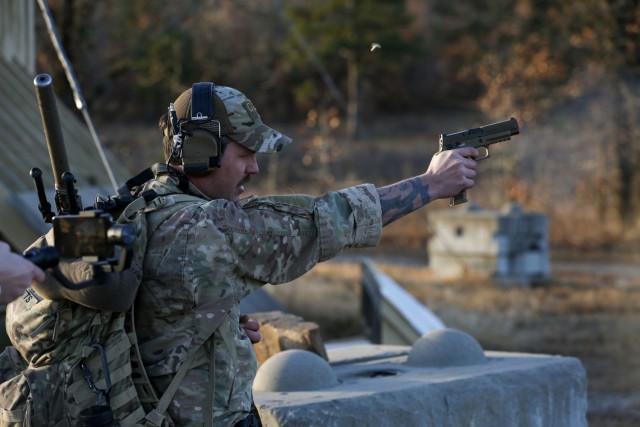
column 16, row 274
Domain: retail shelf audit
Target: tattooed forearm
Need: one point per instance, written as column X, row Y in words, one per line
column 400, row 199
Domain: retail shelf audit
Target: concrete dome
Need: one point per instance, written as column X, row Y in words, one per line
column 294, row 370
column 446, row 347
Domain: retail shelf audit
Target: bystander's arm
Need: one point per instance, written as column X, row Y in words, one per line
column 16, row 274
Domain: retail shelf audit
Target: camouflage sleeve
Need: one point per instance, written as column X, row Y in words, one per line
column 276, row 239
column 360, row 225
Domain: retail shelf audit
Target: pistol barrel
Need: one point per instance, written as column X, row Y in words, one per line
column 482, row 136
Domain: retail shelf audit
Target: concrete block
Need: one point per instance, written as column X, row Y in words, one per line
column 295, row 370
column 446, row 347
column 510, row 246
column 376, row 387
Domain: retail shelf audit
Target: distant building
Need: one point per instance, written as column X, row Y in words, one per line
column 510, row 245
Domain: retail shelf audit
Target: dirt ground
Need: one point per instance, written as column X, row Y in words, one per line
column 588, row 311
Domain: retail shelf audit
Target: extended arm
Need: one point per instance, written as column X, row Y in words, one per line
column 448, row 173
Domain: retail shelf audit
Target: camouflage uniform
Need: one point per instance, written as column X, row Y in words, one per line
column 216, row 248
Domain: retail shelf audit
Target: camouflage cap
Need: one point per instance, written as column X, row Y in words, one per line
column 239, row 120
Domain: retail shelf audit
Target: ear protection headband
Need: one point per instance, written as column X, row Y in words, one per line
column 196, row 142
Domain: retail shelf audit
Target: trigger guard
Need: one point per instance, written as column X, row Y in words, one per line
column 486, row 153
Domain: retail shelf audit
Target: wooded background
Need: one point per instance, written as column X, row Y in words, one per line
column 568, row 71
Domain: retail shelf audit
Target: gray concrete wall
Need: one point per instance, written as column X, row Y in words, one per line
column 374, row 386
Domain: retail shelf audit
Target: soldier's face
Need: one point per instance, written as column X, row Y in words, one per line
column 228, row 182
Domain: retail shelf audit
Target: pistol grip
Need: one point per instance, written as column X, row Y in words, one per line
column 459, row 198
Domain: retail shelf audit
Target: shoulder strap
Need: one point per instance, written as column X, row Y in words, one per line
column 157, row 203
column 125, row 192
column 146, row 175
column 215, row 313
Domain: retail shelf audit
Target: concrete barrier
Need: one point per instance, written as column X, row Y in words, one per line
column 376, row 387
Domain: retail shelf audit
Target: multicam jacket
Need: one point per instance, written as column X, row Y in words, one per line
column 216, row 248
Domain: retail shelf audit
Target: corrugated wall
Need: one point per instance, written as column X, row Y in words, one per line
column 17, row 37
column 22, row 141
column 23, row 146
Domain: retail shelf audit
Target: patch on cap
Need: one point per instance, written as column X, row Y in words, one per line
column 247, row 127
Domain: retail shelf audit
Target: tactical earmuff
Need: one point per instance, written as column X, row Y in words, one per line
column 196, row 142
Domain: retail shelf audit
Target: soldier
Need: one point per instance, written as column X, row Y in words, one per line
column 223, row 247
column 16, row 274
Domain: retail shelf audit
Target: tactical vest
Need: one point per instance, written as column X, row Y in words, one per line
column 69, row 360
